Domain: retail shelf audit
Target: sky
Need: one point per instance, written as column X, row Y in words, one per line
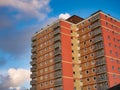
column 20, row 19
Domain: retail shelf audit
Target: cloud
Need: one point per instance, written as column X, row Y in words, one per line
column 38, row 8
column 14, row 79
column 64, row 16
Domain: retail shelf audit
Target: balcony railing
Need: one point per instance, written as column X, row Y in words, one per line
column 97, row 39
column 57, row 38
column 102, row 78
column 33, row 62
column 33, row 88
column 57, row 52
column 33, row 56
column 98, row 46
column 33, row 69
column 103, row 86
column 59, row 88
column 58, row 74
column 33, row 75
column 100, row 61
column 33, row 44
column 58, row 82
column 99, row 53
column 57, row 31
column 56, row 25
column 33, row 50
column 101, row 69
column 95, row 18
column 58, row 58
column 57, row 45
column 33, row 82
column 33, row 39
column 58, row 66
column 96, row 32
column 95, row 25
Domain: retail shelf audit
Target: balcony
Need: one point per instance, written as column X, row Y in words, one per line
column 56, row 38
column 33, row 69
column 33, row 44
column 33, row 88
column 57, row 52
column 58, row 82
column 33, row 50
column 57, row 31
column 57, row 58
column 57, row 45
column 33, row 56
column 99, row 53
column 101, row 69
column 59, row 88
column 95, row 25
column 33, row 62
column 58, row 74
column 100, row 61
column 95, row 18
column 58, row 66
column 103, row 86
column 101, row 78
column 34, row 39
column 98, row 46
column 97, row 39
column 33, row 82
column 96, row 32
column 56, row 25
column 33, row 75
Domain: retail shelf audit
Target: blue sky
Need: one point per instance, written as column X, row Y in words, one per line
column 20, row 19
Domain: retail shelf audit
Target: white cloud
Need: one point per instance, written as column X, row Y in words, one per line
column 64, row 15
column 18, row 77
column 37, row 8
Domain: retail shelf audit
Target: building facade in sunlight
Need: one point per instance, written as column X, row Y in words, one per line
column 77, row 54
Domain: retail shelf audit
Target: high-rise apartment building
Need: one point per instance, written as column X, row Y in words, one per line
column 77, row 54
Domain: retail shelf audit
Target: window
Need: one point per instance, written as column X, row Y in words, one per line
column 74, row 88
column 90, row 40
column 115, row 46
column 74, row 80
column 72, row 58
column 111, row 19
column 88, row 88
column 85, row 57
column 113, row 68
column 110, row 44
column 92, row 55
column 87, row 72
column 111, row 59
column 88, row 79
column 92, row 62
column 105, row 16
column 110, row 51
column 93, row 69
column 119, row 69
column 86, row 64
column 116, row 53
column 90, row 33
column 95, row 86
column 106, row 23
column 84, row 43
column 85, row 50
column 51, row 81
column 108, row 37
column 88, row 20
column 94, row 78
